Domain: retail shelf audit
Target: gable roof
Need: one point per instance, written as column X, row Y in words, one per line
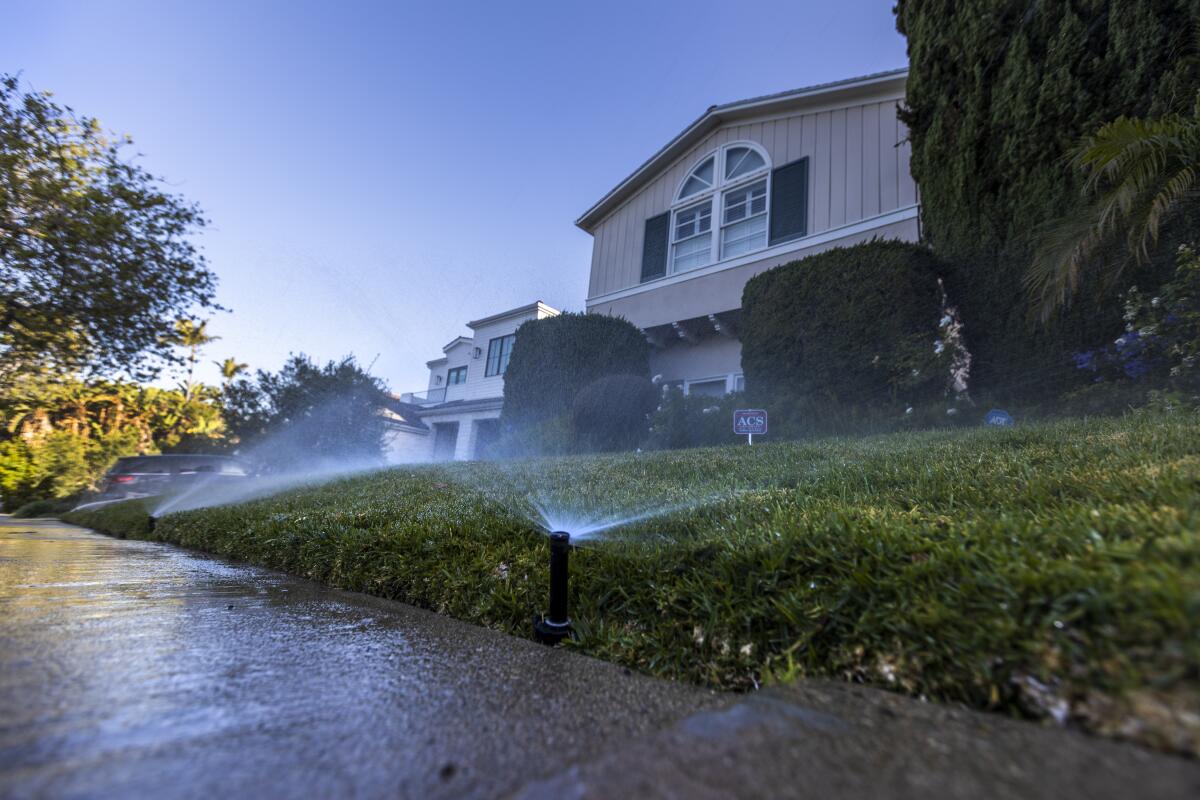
column 536, row 305
column 718, row 115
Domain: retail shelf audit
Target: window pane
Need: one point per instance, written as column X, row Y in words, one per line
column 744, row 237
column 700, row 180
column 742, row 161
column 691, row 221
column 506, row 345
column 692, row 253
column 714, row 388
column 493, row 357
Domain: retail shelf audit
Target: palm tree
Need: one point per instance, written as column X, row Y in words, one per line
column 230, row 369
column 1136, row 173
column 193, row 335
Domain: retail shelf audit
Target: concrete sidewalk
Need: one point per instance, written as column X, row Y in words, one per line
column 137, row 669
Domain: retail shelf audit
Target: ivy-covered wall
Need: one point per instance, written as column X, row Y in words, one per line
column 998, row 91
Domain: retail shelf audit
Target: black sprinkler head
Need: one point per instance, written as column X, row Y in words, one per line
column 556, row 624
column 152, row 523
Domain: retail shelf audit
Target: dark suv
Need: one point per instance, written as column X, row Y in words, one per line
column 137, row 476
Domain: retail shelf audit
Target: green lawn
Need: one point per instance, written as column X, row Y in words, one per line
column 1046, row 566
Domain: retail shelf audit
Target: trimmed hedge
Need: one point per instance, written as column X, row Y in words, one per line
column 838, row 335
column 997, row 91
column 611, row 413
column 1011, row 569
column 553, row 359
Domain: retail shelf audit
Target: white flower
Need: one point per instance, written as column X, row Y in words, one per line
column 945, row 320
column 951, row 411
column 938, row 346
column 908, row 410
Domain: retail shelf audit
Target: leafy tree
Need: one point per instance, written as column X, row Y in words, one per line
column 1137, row 173
column 230, row 369
column 307, row 414
column 191, row 335
column 58, row 434
column 95, row 257
column 998, row 92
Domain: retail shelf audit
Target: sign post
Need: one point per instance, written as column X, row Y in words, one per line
column 750, row 421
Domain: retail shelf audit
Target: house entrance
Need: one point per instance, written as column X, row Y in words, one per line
column 445, row 439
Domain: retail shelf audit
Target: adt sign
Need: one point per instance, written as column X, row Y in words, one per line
column 998, row 417
column 749, row 422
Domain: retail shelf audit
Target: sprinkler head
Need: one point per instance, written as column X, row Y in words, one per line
column 556, row 625
column 153, row 522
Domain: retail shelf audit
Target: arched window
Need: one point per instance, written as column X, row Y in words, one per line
column 732, row 182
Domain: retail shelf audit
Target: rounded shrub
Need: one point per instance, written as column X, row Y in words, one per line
column 832, row 340
column 611, row 413
column 554, row 359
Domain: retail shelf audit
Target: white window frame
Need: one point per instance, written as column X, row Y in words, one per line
column 730, row 379
column 707, row 200
column 716, row 196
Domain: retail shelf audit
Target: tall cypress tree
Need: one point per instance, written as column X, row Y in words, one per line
column 998, row 91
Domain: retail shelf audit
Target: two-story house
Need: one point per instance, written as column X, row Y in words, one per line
column 461, row 405
column 746, row 187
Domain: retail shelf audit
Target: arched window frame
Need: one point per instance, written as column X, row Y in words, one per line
column 714, row 199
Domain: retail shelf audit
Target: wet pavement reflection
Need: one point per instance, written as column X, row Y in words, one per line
column 138, row 669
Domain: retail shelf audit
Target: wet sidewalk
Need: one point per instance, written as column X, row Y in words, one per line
column 131, row 669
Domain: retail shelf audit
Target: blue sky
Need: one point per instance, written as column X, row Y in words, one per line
column 379, row 173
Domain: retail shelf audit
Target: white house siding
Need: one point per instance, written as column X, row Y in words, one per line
column 858, row 169
column 702, row 292
column 468, row 428
column 483, row 394
column 405, row 446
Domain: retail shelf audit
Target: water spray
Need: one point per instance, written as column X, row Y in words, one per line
column 556, row 624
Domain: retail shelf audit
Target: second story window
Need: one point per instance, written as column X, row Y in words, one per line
column 692, row 240
column 499, row 351
column 744, row 220
column 732, row 182
column 456, row 376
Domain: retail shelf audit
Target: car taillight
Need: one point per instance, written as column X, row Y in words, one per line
column 123, row 479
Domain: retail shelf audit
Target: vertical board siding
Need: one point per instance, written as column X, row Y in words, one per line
column 889, row 159
column 858, row 169
column 870, row 166
column 838, row 159
column 820, row 196
column 854, row 165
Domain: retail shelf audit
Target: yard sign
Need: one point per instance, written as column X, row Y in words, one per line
column 749, row 421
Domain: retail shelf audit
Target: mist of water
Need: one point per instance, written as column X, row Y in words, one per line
column 584, row 527
column 303, row 453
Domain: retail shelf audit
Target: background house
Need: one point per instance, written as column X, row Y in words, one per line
column 461, row 405
column 746, row 187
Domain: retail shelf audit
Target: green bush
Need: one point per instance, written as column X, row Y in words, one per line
column 970, row 566
column 997, row 92
column 46, row 508
column 610, row 413
column 683, row 421
column 553, row 359
column 842, row 337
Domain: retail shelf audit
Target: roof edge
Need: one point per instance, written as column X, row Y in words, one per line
column 536, row 305
column 590, row 218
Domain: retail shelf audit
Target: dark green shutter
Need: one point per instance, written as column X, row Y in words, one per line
column 654, row 247
column 789, row 201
